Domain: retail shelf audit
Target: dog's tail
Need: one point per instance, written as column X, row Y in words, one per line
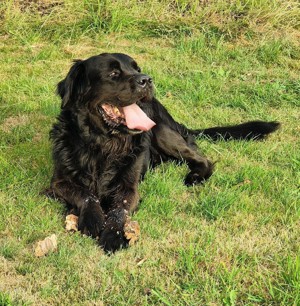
column 252, row 130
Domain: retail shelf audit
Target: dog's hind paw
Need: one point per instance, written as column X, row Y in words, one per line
column 194, row 178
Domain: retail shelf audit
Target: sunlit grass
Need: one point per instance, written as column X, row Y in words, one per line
column 233, row 241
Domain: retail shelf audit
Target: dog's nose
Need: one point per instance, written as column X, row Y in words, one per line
column 143, row 80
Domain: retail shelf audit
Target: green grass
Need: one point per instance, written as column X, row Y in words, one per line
column 233, row 241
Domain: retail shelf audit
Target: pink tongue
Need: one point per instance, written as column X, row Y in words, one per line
column 136, row 118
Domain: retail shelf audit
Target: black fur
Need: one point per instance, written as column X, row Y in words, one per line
column 255, row 130
column 98, row 161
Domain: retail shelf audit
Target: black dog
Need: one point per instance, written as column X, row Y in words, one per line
column 111, row 129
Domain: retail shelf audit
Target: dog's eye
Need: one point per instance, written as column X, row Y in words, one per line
column 115, row 73
column 138, row 69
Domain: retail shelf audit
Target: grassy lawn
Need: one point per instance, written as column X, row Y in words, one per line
column 233, row 241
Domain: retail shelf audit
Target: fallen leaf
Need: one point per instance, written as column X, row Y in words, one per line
column 140, row 262
column 147, row 291
column 43, row 247
column 132, row 231
column 71, row 223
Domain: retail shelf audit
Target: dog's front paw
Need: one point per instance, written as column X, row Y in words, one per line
column 113, row 237
column 112, row 240
column 91, row 218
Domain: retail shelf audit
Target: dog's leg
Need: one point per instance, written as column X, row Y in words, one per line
column 113, row 236
column 91, row 216
column 123, row 201
column 172, row 144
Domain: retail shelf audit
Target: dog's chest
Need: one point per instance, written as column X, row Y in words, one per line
column 109, row 156
column 116, row 148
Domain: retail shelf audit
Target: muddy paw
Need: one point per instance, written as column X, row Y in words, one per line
column 112, row 240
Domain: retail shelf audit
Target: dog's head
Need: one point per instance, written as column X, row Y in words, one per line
column 111, row 87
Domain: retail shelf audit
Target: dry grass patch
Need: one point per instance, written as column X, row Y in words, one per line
column 12, row 122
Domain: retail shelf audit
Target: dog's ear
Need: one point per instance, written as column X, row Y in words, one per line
column 74, row 86
column 60, row 90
